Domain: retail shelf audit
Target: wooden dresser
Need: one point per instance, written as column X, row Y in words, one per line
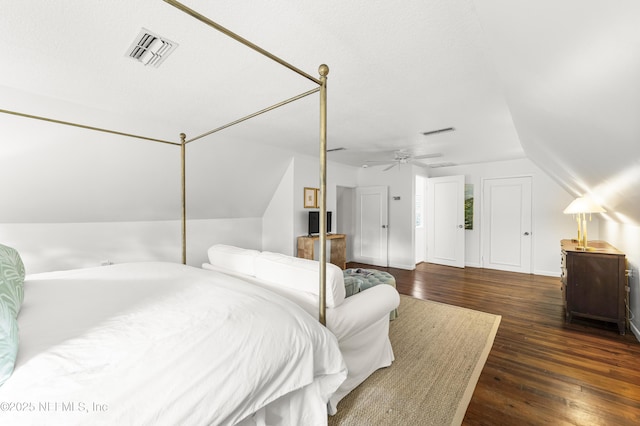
column 594, row 282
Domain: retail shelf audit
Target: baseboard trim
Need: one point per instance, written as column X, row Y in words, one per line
column 547, row 273
column 402, row 266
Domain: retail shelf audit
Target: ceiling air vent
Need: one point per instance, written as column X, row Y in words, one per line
column 150, row 49
column 438, row 165
column 434, row 132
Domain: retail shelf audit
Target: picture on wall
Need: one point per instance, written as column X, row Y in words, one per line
column 468, row 206
column 311, row 198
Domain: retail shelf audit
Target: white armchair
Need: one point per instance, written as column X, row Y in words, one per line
column 360, row 322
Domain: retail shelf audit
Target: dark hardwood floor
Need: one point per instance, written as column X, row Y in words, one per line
column 540, row 369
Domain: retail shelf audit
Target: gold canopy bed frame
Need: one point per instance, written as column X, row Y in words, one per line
column 323, row 71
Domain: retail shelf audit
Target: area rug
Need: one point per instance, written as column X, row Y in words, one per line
column 439, row 351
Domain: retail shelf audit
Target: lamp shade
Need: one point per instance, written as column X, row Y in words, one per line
column 583, row 205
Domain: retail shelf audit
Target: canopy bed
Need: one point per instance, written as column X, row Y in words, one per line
column 164, row 343
column 323, row 71
column 154, row 332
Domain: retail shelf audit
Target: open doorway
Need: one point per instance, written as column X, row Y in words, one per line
column 420, row 228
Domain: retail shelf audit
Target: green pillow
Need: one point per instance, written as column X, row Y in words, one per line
column 8, row 341
column 11, row 279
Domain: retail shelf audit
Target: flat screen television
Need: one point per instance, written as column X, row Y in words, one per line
column 314, row 222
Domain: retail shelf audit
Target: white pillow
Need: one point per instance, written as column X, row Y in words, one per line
column 236, row 259
column 300, row 274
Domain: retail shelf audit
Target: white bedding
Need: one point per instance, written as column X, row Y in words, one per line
column 160, row 343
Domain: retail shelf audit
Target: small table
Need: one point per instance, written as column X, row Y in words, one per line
column 338, row 248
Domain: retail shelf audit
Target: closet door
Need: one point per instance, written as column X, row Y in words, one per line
column 370, row 239
column 506, row 224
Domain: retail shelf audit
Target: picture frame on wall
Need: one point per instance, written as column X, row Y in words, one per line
column 311, row 198
column 468, row 206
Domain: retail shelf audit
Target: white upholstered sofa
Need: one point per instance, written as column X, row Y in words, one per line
column 360, row 322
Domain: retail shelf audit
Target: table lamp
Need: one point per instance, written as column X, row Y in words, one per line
column 579, row 208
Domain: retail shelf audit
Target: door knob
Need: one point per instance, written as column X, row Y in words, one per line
column 460, row 226
column 384, row 226
column 526, row 233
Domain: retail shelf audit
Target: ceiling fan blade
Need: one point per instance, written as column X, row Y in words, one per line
column 420, row 157
column 390, row 167
column 376, row 162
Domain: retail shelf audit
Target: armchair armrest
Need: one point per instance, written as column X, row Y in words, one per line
column 357, row 312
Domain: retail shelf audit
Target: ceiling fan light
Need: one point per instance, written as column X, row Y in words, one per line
column 402, row 157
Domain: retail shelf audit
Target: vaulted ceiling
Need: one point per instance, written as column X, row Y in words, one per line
column 552, row 81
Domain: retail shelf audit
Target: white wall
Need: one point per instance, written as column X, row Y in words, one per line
column 277, row 221
column 71, row 175
column 57, row 246
column 306, row 174
column 203, row 233
column 625, row 238
column 346, row 208
column 549, row 225
column 60, row 246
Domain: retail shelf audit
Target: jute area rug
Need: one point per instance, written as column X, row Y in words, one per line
column 439, row 351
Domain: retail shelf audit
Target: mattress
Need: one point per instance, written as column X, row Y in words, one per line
column 161, row 343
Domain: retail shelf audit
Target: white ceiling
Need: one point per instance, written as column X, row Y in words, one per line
column 554, row 81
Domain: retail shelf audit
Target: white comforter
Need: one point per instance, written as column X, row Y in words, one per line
column 160, row 343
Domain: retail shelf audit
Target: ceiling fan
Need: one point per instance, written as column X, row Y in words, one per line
column 401, row 157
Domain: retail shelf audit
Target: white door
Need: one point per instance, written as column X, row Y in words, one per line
column 445, row 221
column 370, row 239
column 506, row 224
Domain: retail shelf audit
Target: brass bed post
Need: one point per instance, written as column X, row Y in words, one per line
column 184, row 196
column 323, row 70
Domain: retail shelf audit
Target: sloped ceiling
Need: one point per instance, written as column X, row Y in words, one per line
column 570, row 72
column 552, row 82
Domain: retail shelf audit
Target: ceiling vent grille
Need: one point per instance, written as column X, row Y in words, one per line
column 434, row 132
column 150, row 49
column 438, row 165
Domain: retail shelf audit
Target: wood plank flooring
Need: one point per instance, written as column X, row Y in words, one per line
column 540, row 369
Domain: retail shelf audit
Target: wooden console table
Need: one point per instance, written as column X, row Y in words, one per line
column 338, row 248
